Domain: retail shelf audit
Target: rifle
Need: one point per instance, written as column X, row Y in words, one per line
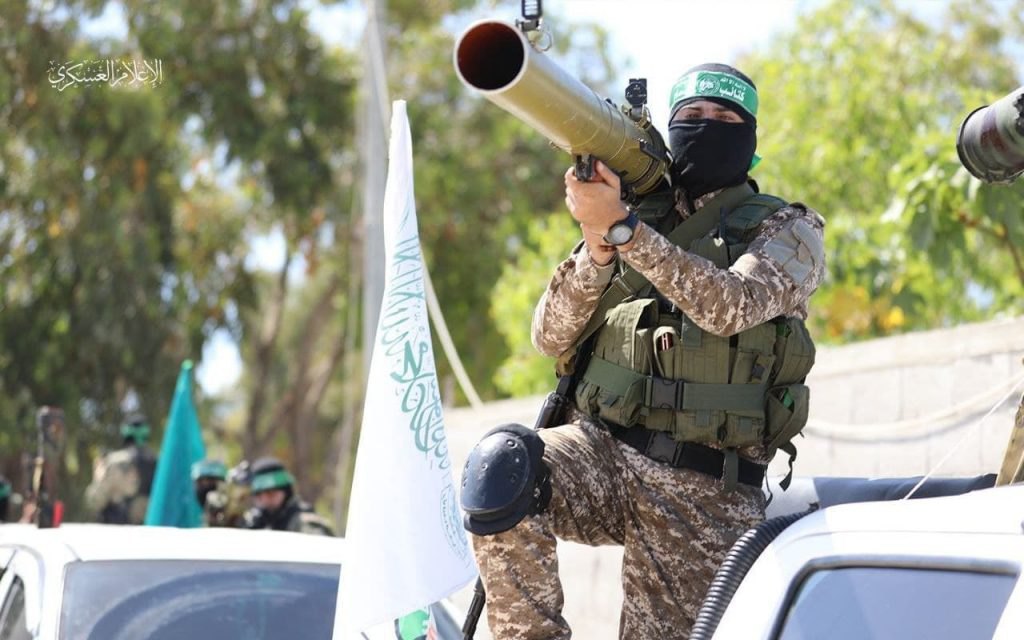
column 48, row 510
column 226, row 506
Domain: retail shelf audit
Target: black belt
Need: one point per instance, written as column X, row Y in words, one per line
column 660, row 446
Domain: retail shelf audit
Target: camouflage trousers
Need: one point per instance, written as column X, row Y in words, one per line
column 675, row 525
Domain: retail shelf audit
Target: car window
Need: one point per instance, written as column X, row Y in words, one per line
column 865, row 603
column 12, row 617
column 198, row 600
column 204, row 600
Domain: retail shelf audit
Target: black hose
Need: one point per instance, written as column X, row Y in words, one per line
column 733, row 569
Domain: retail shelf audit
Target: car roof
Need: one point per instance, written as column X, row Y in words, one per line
column 826, row 491
column 91, row 542
column 998, row 510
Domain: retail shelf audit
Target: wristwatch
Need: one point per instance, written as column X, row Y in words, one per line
column 621, row 232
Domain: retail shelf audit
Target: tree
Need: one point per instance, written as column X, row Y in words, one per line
column 125, row 244
column 125, row 216
column 862, row 127
column 96, row 314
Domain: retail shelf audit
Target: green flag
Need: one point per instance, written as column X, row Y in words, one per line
column 172, row 501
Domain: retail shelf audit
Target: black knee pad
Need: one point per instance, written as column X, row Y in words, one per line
column 505, row 479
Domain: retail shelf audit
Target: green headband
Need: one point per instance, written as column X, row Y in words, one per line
column 5, row 490
column 277, row 479
column 209, row 469
column 714, row 84
column 139, row 431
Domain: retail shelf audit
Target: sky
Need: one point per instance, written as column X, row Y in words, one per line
column 659, row 39
column 641, row 32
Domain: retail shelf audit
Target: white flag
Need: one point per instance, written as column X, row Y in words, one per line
column 405, row 545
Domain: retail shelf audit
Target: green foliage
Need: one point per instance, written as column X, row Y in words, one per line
column 548, row 241
column 260, row 82
column 126, row 215
column 92, row 309
column 124, row 211
column 861, row 126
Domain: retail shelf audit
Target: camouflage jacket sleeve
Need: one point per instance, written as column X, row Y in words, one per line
column 783, row 265
column 568, row 302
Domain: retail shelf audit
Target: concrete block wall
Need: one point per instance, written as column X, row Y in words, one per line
column 913, row 404
column 899, row 406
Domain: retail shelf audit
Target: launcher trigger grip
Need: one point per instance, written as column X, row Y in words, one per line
column 584, row 168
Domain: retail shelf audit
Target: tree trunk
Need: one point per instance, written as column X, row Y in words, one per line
column 264, row 355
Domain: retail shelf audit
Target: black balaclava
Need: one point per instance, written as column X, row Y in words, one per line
column 710, row 154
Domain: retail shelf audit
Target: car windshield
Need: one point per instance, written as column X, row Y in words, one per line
column 198, row 600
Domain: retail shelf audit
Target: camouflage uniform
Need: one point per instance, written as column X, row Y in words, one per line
column 119, row 491
column 675, row 524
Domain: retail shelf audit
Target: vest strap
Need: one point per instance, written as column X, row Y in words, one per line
column 677, row 395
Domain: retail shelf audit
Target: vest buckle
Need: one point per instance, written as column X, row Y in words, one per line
column 663, row 393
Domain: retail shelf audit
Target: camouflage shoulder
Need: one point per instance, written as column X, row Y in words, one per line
column 795, row 210
column 310, row 522
column 119, row 458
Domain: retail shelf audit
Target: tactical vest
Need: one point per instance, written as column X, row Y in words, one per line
column 651, row 366
column 296, row 515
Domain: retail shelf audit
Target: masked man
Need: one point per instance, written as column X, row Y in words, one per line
column 277, row 506
column 680, row 320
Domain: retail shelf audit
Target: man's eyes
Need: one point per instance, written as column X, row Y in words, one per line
column 696, row 114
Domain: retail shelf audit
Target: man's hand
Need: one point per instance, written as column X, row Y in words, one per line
column 596, row 205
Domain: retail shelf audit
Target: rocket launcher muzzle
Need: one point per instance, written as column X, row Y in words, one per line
column 991, row 139
column 497, row 60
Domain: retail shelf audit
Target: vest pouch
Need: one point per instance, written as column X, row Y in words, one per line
column 788, row 407
column 794, row 351
column 699, row 426
column 624, row 409
column 742, row 429
column 625, row 340
column 755, row 355
column 704, row 357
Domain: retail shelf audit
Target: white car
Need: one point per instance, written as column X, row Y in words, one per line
column 106, row 582
column 933, row 568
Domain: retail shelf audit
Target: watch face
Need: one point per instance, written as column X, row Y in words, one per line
column 619, row 234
